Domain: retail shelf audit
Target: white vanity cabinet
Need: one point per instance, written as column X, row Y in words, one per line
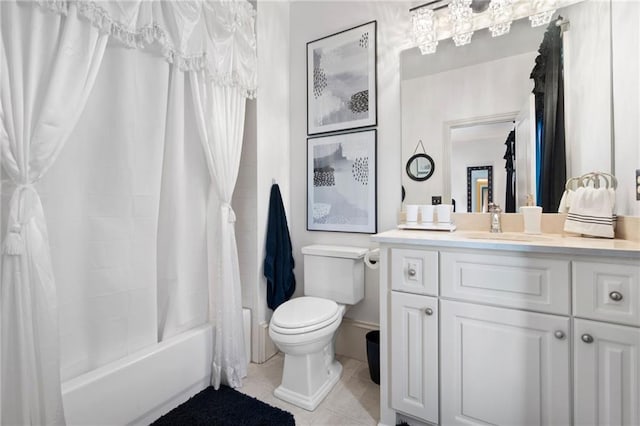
column 607, row 373
column 493, row 357
column 503, row 366
column 508, row 333
column 414, row 357
column 606, row 341
column 414, row 332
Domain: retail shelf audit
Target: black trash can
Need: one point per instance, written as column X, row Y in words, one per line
column 373, row 355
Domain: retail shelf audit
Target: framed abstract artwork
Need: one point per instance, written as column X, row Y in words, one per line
column 341, row 80
column 341, row 182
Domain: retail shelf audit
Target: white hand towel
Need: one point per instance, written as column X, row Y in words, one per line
column 565, row 201
column 591, row 212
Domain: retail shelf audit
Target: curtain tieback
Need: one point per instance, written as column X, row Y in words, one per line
column 19, row 215
column 231, row 215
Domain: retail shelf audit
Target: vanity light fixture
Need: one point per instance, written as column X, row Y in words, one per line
column 461, row 15
column 431, row 24
column 544, row 11
column 501, row 12
column 424, row 29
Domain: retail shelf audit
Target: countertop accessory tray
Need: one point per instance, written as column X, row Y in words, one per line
column 429, row 226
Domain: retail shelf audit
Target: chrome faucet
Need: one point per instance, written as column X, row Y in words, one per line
column 495, row 212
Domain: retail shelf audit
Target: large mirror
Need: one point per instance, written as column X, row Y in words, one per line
column 474, row 106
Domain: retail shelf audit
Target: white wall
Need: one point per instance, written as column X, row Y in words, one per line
column 265, row 158
column 311, row 20
column 626, row 95
column 245, row 205
column 587, row 70
column 273, row 122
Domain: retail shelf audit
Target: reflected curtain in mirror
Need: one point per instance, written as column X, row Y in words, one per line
column 510, row 158
column 549, row 92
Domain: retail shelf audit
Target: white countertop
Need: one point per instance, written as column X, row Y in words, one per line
column 512, row 241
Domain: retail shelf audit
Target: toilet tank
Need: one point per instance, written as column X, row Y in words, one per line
column 334, row 272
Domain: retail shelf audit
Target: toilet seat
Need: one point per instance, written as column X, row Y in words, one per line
column 304, row 314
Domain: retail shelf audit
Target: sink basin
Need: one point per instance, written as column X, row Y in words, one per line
column 507, row 236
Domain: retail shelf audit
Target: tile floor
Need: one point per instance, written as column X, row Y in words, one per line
column 355, row 400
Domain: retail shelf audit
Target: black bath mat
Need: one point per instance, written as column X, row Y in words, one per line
column 225, row 407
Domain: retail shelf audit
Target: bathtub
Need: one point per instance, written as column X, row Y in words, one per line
column 139, row 388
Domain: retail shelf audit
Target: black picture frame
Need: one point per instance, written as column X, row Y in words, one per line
column 470, row 191
column 317, row 110
column 416, row 158
column 329, row 184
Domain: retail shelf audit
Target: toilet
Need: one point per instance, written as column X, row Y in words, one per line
column 304, row 328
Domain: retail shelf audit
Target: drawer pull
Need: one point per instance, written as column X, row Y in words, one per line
column 587, row 338
column 428, row 311
column 615, row 296
column 559, row 334
column 411, row 272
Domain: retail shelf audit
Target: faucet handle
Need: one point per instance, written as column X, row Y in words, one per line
column 494, row 208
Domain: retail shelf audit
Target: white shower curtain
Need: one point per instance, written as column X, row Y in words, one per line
column 49, row 63
column 182, row 240
column 219, row 97
column 49, row 67
column 220, row 117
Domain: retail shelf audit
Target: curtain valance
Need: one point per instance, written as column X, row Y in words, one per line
column 216, row 36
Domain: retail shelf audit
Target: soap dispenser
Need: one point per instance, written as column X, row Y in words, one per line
column 495, row 212
column 532, row 217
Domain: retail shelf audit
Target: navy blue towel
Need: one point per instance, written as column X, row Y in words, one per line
column 278, row 262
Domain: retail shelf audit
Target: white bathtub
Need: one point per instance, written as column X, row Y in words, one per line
column 140, row 388
column 143, row 386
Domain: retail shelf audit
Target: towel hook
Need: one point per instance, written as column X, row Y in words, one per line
column 572, row 180
column 595, row 178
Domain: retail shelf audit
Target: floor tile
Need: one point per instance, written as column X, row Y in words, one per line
column 355, row 400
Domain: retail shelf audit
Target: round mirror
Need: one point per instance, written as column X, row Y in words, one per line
column 420, row 167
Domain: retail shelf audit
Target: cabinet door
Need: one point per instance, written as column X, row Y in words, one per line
column 607, row 374
column 414, row 355
column 503, row 367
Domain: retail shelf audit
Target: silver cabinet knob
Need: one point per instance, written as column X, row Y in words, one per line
column 616, row 296
column 428, row 311
column 587, row 338
column 412, row 272
column 559, row 334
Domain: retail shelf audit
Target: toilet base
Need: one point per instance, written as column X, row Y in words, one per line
column 305, row 386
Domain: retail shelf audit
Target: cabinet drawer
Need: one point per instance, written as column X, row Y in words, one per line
column 514, row 280
column 414, row 271
column 607, row 291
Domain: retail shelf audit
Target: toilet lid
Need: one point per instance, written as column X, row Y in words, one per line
column 304, row 314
